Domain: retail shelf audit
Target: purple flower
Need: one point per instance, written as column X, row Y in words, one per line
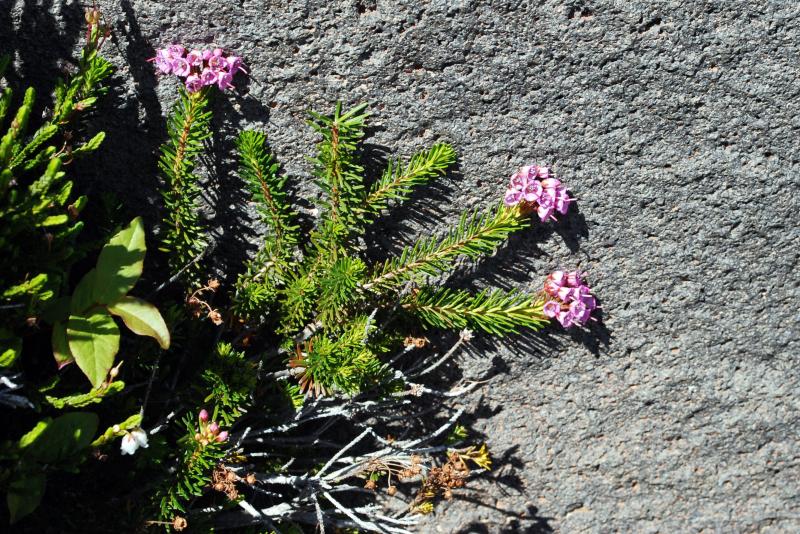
column 512, row 197
column 518, row 181
column 544, row 212
column 181, row 67
column 551, row 183
column 543, row 173
column 567, row 294
column 533, row 191
column 207, row 54
column 551, row 309
column 568, row 289
column 580, row 312
column 163, row 62
column 224, row 80
column 574, row 279
column 176, row 51
column 217, row 62
column 209, row 77
column 193, row 83
column 195, row 58
column 566, row 319
column 234, row 64
column 589, row 301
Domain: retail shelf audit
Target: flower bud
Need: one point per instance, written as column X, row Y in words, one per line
column 222, row 436
column 213, row 427
column 574, row 279
column 203, row 416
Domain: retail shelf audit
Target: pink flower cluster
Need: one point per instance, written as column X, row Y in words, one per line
column 571, row 301
column 209, row 432
column 533, row 185
column 200, row 68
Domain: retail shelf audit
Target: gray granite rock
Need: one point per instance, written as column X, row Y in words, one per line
column 674, row 122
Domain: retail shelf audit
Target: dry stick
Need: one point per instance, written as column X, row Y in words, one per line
column 439, row 362
column 341, row 452
column 320, row 518
column 361, row 523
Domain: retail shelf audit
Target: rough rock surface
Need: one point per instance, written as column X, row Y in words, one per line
column 674, row 122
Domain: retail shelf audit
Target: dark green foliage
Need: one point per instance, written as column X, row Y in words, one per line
column 260, row 171
column 197, row 460
column 338, row 172
column 343, row 361
column 38, row 210
column 476, row 234
column 493, row 311
column 398, row 181
column 184, row 233
column 229, row 381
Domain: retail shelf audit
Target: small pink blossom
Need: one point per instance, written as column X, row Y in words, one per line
column 222, row 436
column 203, row 415
column 209, row 77
column 568, row 290
column 175, row 51
column 551, row 309
column 566, row 319
column 193, row 83
column 574, row 279
column 181, row 67
column 195, row 58
column 200, row 68
column 224, row 80
column 542, row 193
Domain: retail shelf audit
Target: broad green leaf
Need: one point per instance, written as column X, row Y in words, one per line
column 82, row 297
column 34, row 433
column 53, row 441
column 60, row 345
column 25, row 494
column 120, row 263
column 93, row 341
column 142, row 318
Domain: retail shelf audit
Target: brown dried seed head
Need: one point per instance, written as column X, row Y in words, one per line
column 179, row 523
column 370, row 484
column 215, row 317
column 213, row 284
column 391, row 490
column 250, row 479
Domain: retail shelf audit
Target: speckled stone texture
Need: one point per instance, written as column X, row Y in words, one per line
column 676, row 125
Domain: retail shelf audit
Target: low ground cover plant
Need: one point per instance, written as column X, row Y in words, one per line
column 303, row 394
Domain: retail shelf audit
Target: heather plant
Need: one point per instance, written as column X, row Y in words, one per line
column 303, row 394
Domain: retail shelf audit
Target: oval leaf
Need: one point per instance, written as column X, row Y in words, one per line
column 93, row 341
column 59, row 439
column 83, row 296
column 60, row 345
column 24, row 495
column 120, row 263
column 142, row 318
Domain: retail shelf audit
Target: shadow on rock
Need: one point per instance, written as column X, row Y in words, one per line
column 528, row 522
